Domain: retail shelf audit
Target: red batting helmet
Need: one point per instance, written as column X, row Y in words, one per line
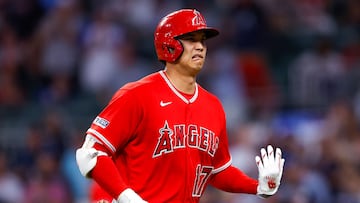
column 168, row 47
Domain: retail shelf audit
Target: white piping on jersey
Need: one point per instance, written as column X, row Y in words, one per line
column 103, row 139
column 222, row 167
column 177, row 92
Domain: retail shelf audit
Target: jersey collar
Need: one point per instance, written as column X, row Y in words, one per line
column 177, row 93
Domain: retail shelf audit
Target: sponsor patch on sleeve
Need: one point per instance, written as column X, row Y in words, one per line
column 101, row 122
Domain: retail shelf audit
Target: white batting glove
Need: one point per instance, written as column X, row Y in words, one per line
column 129, row 196
column 270, row 167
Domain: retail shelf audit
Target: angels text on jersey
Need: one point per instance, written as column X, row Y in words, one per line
column 181, row 136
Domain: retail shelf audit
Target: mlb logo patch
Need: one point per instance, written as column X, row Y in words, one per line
column 101, row 122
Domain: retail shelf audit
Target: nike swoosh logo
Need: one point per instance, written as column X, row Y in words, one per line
column 162, row 104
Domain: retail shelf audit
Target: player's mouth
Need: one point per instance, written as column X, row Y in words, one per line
column 197, row 57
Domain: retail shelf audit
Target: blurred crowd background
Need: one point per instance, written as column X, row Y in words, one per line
column 287, row 72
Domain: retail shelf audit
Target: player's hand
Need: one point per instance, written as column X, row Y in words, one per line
column 270, row 167
column 130, row 196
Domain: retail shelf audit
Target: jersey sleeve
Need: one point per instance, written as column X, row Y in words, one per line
column 116, row 125
column 235, row 181
column 222, row 158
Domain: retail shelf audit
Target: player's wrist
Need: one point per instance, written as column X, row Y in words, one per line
column 264, row 192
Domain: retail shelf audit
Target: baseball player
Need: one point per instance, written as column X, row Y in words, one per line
column 163, row 138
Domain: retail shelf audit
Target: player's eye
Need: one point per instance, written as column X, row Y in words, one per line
column 188, row 38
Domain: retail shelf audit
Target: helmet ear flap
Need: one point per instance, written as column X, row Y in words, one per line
column 172, row 50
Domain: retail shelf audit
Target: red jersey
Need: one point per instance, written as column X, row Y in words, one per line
column 165, row 146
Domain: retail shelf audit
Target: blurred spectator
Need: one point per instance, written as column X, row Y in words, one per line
column 58, row 34
column 54, row 133
column 46, row 134
column 131, row 67
column 351, row 53
column 27, row 154
column 248, row 23
column 244, row 142
column 140, row 13
column 11, row 187
column 57, row 38
column 58, row 91
column 341, row 141
column 23, row 16
column 47, row 184
column 313, row 17
column 261, row 90
column 316, row 75
column 304, row 185
column 101, row 45
column 12, row 93
column 224, row 80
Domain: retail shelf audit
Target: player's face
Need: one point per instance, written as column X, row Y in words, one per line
column 193, row 57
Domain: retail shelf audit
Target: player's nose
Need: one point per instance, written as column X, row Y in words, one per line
column 199, row 45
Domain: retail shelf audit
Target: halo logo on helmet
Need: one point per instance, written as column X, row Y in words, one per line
column 198, row 19
column 168, row 47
